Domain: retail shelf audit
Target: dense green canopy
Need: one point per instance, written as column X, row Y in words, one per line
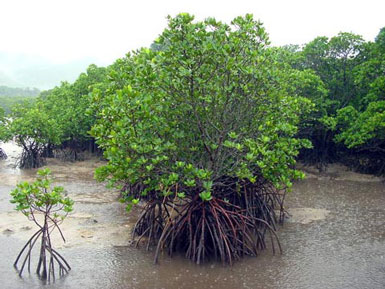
column 212, row 103
column 56, row 119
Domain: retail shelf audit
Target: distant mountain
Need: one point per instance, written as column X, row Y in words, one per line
column 21, row 92
column 20, row 70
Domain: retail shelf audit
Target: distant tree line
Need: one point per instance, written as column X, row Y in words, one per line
column 56, row 121
column 344, row 77
column 10, row 96
column 348, row 121
column 21, row 92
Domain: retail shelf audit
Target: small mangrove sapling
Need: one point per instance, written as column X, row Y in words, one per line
column 47, row 207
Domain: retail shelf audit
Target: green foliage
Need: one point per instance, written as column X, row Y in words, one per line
column 47, row 207
column 380, row 40
column 8, row 102
column 67, row 104
column 30, row 124
column 333, row 60
column 212, row 103
column 3, row 130
column 363, row 129
column 57, row 118
column 331, row 85
column 10, row 97
column 344, row 78
column 34, row 130
column 362, row 126
column 38, row 196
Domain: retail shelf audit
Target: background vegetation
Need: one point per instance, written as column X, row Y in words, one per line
column 10, row 96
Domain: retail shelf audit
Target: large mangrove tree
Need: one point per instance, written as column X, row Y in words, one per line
column 202, row 130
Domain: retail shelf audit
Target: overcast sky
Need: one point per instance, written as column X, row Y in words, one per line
column 67, row 30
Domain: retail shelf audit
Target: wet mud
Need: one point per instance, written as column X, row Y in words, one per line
column 334, row 237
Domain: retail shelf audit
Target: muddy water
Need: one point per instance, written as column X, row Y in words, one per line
column 335, row 238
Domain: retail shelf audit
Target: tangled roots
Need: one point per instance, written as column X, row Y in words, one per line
column 31, row 159
column 3, row 155
column 226, row 228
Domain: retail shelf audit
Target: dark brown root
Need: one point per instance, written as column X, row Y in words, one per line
column 233, row 224
column 76, row 150
column 365, row 162
column 31, row 159
column 3, row 155
column 68, row 155
column 49, row 259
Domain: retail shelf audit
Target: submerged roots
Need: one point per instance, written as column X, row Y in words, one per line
column 3, row 156
column 50, row 261
column 231, row 225
column 68, row 155
column 31, row 159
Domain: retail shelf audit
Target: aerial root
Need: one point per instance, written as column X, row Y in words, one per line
column 226, row 228
column 49, row 258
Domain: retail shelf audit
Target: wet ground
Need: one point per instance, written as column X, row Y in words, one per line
column 335, row 237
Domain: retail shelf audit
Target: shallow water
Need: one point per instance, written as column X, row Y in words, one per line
column 334, row 239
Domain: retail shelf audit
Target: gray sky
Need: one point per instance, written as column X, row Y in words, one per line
column 67, row 30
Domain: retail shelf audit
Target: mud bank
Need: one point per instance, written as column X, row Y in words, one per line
column 338, row 172
column 98, row 218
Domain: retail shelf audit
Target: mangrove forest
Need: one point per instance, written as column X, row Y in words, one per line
column 202, row 131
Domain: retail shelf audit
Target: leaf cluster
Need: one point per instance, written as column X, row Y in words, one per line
column 38, row 197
